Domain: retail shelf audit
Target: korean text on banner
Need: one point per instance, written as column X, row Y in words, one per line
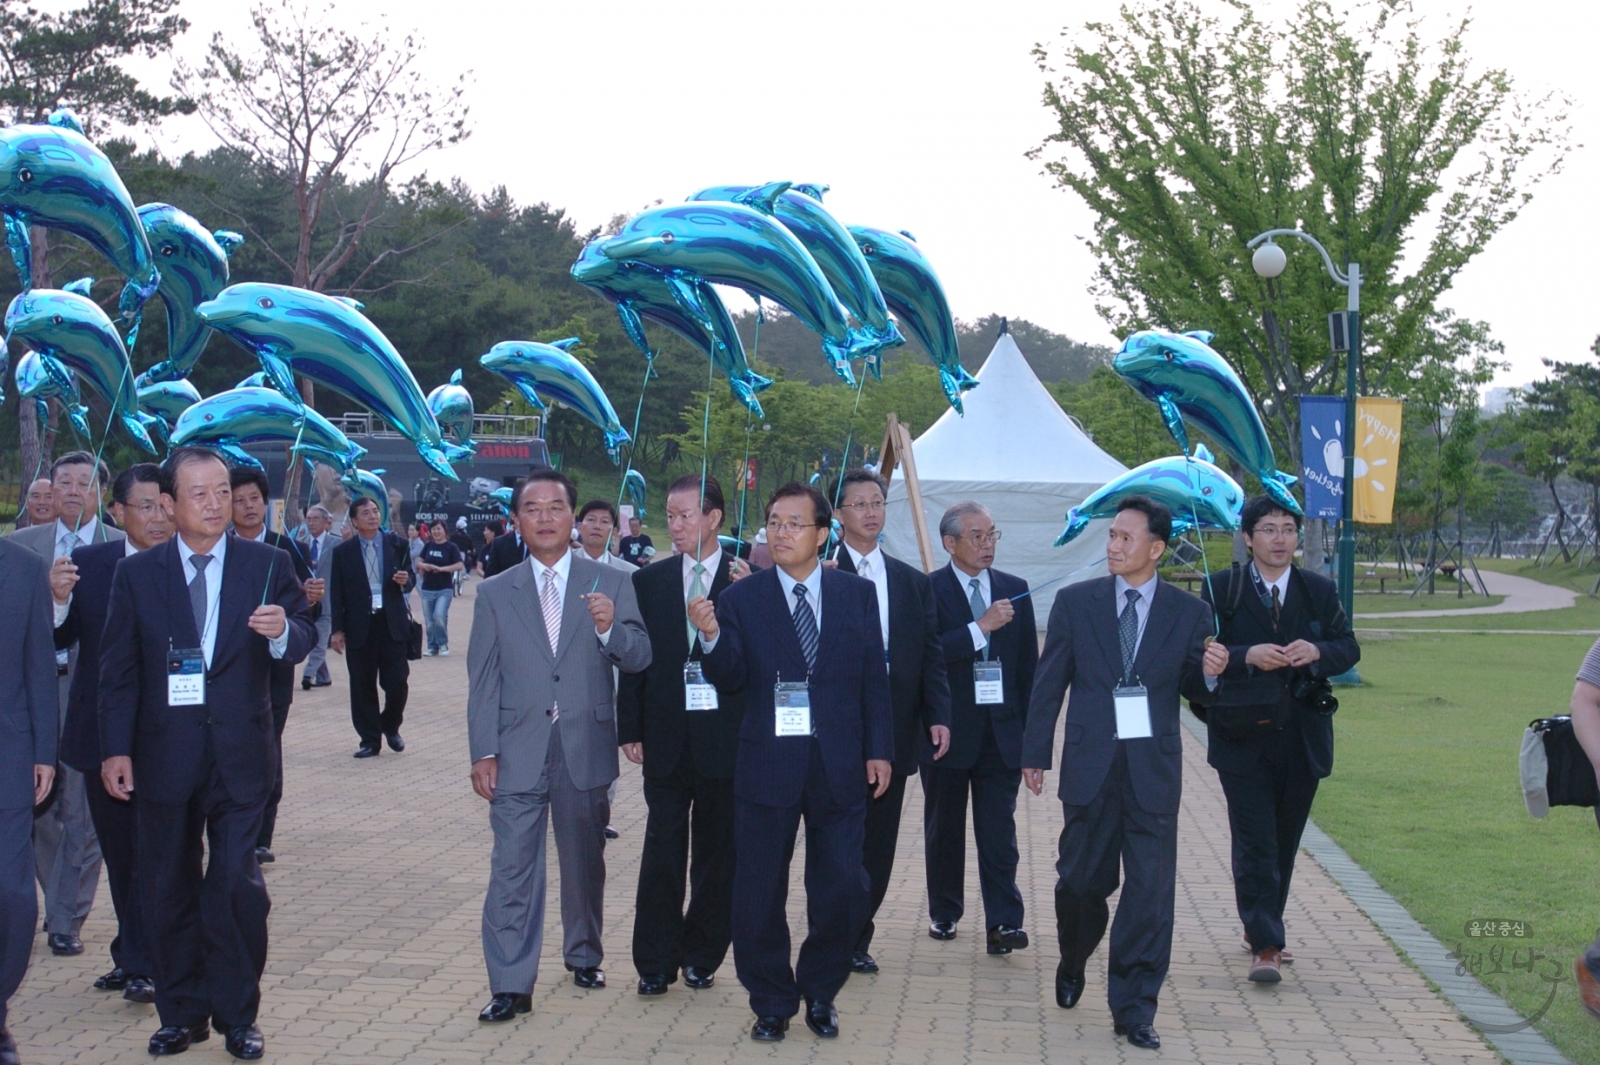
column 1322, row 455
column 1377, row 439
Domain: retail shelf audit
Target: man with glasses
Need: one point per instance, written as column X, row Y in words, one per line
column 1271, row 727
column 369, row 617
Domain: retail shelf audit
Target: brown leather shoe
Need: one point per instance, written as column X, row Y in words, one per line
column 1266, row 966
column 1588, row 986
column 1286, row 956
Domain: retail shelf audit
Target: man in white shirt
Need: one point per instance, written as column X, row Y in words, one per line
column 597, row 535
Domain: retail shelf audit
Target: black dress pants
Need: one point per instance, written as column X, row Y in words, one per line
column 689, row 832
column 269, row 816
column 19, row 900
column 994, row 829
column 117, row 826
column 207, row 927
column 381, row 661
column 882, row 837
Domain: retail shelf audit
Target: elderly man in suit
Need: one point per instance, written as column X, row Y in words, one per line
column 919, row 687
column 804, row 645
column 41, row 502
column 1127, row 646
column 367, row 601
column 542, row 730
column 28, row 729
column 186, row 718
column 317, row 548
column 63, row 838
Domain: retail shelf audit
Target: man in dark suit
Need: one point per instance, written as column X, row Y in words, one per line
column 804, row 638
column 317, row 546
column 1128, row 646
column 506, row 551
column 1270, row 733
column 82, row 594
column 687, row 754
column 251, row 497
column 186, row 716
column 985, row 625
column 28, row 729
column 367, row 599
column 919, row 689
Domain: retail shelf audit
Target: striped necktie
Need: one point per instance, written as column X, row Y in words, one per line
column 805, row 626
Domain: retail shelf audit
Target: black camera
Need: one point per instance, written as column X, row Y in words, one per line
column 1315, row 692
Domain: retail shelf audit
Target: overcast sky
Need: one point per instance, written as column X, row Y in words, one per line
column 918, row 115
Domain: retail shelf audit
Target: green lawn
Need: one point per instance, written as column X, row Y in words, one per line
column 1583, row 615
column 1425, row 797
column 1373, row 603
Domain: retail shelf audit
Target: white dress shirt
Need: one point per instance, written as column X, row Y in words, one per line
column 84, row 533
column 871, row 566
column 813, row 585
column 562, row 567
column 1282, row 584
column 980, row 639
column 711, row 562
column 208, row 639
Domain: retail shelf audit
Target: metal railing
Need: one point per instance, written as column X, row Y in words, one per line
column 484, row 426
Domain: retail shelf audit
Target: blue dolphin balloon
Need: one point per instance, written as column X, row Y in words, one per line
column 167, row 400
column 501, row 497
column 1197, row 493
column 40, row 383
column 451, row 405
column 538, row 369
column 329, row 340
column 228, row 420
column 258, row 379
column 687, row 306
column 1182, row 375
column 914, row 294
column 78, row 337
column 366, row 484
column 633, row 482
column 51, row 176
column 730, row 244
column 194, row 268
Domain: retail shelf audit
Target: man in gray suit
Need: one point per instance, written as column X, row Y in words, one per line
column 318, row 545
column 64, row 844
column 541, row 722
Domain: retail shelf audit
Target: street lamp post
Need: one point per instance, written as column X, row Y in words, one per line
column 1269, row 261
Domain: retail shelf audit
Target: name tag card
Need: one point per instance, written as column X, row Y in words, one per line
column 1133, row 713
column 698, row 694
column 792, row 708
column 377, row 602
column 186, row 677
column 987, row 684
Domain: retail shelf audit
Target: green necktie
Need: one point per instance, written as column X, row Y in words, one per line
column 697, row 587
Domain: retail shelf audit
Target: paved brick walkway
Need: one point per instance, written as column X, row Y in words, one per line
column 375, row 952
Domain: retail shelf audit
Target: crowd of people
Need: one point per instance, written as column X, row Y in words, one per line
column 806, row 677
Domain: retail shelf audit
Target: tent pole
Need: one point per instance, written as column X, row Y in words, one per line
column 919, row 520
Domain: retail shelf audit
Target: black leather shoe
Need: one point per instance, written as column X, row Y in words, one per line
column 590, row 976
column 396, row 744
column 822, row 1019
column 611, row 833
column 769, row 1029
column 1139, row 1034
column 697, row 978
column 140, row 989
column 265, row 856
column 305, row 684
column 652, row 984
column 176, row 1038
column 504, row 1006
column 115, row 980
column 65, row 943
column 364, row 751
column 1003, row 939
column 322, row 684
column 941, row 929
column 862, row 962
column 244, row 1042
column 1069, row 989
column 8, row 1049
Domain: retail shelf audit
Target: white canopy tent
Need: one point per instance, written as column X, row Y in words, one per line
column 1019, row 454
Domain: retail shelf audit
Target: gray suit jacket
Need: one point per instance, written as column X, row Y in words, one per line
column 29, row 719
column 514, row 681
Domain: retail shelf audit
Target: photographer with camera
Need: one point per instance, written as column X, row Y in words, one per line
column 1271, row 726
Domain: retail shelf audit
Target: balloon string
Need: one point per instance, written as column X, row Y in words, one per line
column 1205, row 563
column 1053, row 580
column 749, row 419
column 705, row 450
column 633, row 448
column 850, row 436
column 294, row 456
column 105, row 438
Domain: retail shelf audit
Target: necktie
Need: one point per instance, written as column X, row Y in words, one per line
column 978, row 609
column 314, row 550
column 369, row 551
column 1128, row 631
column 550, row 603
column 69, row 544
column 197, row 594
column 697, row 587
column 1277, row 607
column 865, row 569
column 805, row 626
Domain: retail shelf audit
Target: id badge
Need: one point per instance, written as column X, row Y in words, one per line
column 792, row 708
column 698, row 693
column 186, row 677
column 377, row 602
column 1133, row 713
column 986, row 683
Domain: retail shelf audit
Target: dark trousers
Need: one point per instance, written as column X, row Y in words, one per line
column 1097, row 837
column 689, row 831
column 379, row 661
column 207, row 927
column 836, row 895
column 19, row 905
column 994, row 829
column 1267, row 811
column 116, row 823
column 882, row 835
column 269, row 816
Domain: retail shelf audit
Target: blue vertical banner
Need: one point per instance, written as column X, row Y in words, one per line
column 1322, row 455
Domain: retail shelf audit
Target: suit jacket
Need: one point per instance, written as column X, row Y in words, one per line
column 29, row 716
column 150, row 602
column 850, row 702
column 514, row 681
column 506, row 551
column 349, row 597
column 1082, row 651
column 1015, row 646
column 83, row 629
column 283, row 672
column 1311, row 611
column 919, row 685
column 650, row 704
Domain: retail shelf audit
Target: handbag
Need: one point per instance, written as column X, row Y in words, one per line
column 413, row 637
column 1555, row 769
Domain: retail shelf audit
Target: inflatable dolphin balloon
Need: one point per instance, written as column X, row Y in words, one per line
column 228, row 420
column 366, row 484
column 538, row 369
column 167, row 400
column 451, row 405
column 194, row 268
column 501, row 497
column 1181, row 374
column 37, row 382
column 329, row 340
column 633, row 483
column 1197, row 492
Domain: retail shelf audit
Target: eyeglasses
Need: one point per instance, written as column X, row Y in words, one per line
column 145, row 509
column 978, row 539
column 1274, row 532
column 874, row 507
column 788, row 528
